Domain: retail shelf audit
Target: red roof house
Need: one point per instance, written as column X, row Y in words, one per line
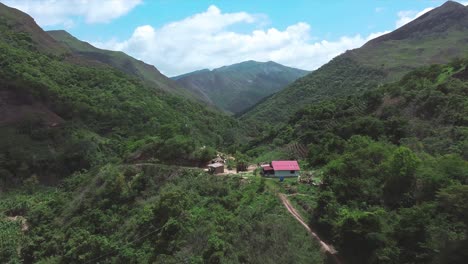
column 282, row 168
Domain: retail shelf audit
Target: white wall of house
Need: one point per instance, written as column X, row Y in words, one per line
column 286, row 173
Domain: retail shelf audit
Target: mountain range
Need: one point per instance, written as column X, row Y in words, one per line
column 237, row 87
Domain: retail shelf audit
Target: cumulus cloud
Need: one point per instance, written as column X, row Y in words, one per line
column 63, row 13
column 406, row 16
column 205, row 40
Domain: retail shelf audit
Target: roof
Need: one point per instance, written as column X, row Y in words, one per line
column 285, row 165
column 216, row 165
column 267, row 168
column 217, row 160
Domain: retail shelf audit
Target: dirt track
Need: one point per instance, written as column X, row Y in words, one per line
column 324, row 246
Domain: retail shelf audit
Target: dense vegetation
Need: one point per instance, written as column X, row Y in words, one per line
column 235, row 88
column 80, row 116
column 395, row 169
column 152, row 213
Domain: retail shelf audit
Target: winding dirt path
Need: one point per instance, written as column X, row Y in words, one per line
column 328, row 249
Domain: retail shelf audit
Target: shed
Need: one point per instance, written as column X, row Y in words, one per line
column 216, row 168
column 267, row 170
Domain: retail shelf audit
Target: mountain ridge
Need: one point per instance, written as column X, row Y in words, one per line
column 239, row 86
column 379, row 61
column 120, row 60
column 23, row 22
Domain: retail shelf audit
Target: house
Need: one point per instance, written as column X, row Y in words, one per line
column 216, row 168
column 281, row 169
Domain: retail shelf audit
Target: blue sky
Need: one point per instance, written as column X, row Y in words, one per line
column 180, row 36
column 328, row 19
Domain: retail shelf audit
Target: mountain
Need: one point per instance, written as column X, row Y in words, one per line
column 62, row 112
column 22, row 22
column 237, row 87
column 436, row 37
column 393, row 164
column 117, row 59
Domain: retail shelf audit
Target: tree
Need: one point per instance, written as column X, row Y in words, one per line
column 401, row 179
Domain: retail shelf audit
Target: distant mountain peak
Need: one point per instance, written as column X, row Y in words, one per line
column 439, row 20
column 236, row 87
column 451, row 4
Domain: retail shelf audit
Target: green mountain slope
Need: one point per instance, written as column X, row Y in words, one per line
column 237, row 87
column 59, row 116
column 393, row 165
column 119, row 60
column 22, row 22
column 436, row 37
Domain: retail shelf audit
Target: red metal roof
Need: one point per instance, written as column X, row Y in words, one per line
column 285, row 165
column 267, row 168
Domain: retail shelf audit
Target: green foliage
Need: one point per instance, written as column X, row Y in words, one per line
column 11, row 239
column 155, row 213
column 401, row 178
column 90, row 115
column 399, row 207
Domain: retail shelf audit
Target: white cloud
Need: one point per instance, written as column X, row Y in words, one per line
column 63, row 12
column 205, row 40
column 406, row 16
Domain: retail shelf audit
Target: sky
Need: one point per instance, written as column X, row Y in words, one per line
column 180, row 36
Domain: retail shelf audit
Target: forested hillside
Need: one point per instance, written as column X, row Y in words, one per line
column 235, row 88
column 121, row 61
column 151, row 213
column 394, row 164
column 59, row 116
column 436, row 37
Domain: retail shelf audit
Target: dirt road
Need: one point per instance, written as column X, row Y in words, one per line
column 324, row 246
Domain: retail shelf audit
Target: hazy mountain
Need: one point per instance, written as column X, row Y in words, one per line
column 237, row 87
column 436, row 37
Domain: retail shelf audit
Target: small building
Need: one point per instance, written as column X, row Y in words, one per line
column 217, row 160
column 216, row 168
column 281, row 169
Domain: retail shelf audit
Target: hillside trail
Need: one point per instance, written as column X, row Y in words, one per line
column 328, row 249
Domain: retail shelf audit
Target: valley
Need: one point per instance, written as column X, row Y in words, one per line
column 104, row 159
